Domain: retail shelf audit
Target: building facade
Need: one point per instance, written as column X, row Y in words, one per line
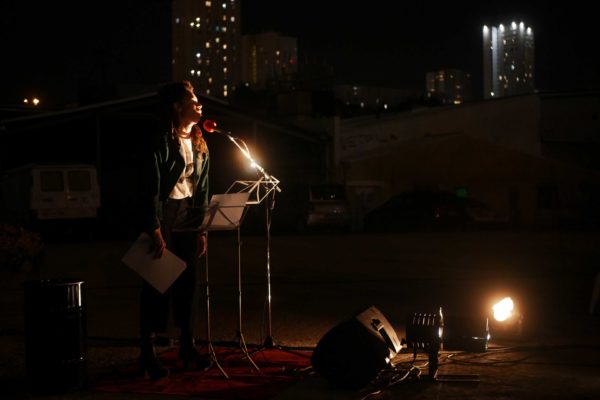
column 508, row 60
column 268, row 59
column 206, row 41
column 449, row 86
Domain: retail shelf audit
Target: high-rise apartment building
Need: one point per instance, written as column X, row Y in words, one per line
column 508, row 60
column 268, row 59
column 449, row 86
column 206, row 44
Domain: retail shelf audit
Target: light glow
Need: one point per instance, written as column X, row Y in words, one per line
column 503, row 309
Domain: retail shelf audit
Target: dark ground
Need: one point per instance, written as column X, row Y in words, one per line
column 318, row 281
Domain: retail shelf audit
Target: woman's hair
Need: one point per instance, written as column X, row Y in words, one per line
column 172, row 93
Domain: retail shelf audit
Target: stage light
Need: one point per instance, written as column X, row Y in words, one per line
column 466, row 333
column 507, row 319
column 424, row 331
column 503, row 309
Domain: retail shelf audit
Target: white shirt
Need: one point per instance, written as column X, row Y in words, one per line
column 184, row 186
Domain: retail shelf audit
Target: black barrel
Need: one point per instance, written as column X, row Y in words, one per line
column 55, row 335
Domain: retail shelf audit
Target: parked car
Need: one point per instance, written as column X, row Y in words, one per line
column 303, row 208
column 425, row 210
column 478, row 213
column 327, row 207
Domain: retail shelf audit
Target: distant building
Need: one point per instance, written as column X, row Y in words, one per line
column 508, row 60
column 268, row 59
column 372, row 97
column 449, row 86
column 206, row 44
column 539, row 166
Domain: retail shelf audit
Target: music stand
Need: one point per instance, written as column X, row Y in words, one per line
column 225, row 212
column 262, row 191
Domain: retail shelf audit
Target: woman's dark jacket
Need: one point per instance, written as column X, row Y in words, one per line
column 164, row 166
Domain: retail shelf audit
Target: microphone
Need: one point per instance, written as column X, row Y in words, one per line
column 210, row 126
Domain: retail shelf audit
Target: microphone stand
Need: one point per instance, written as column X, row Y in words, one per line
column 271, row 184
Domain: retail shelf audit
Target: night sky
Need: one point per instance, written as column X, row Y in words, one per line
column 53, row 48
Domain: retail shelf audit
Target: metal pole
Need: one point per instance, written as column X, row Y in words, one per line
column 211, row 349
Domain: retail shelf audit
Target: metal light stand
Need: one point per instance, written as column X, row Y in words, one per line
column 261, row 190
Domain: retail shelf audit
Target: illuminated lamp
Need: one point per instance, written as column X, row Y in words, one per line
column 506, row 319
column 424, row 331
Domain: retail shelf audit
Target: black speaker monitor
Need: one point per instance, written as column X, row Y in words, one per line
column 351, row 354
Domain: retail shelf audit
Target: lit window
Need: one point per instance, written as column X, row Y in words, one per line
column 224, row 58
column 198, row 25
column 210, row 79
column 198, row 55
column 217, row 40
column 207, row 45
column 224, row 70
column 198, row 73
column 224, row 5
column 208, row 3
column 197, row 19
column 191, row 24
column 232, row 19
column 177, row 20
column 224, row 46
column 193, row 71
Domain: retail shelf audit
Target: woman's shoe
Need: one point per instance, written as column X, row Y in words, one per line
column 189, row 355
column 152, row 367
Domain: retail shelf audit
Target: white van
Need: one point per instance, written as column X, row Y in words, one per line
column 50, row 191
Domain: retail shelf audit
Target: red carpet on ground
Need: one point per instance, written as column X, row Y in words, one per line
column 278, row 370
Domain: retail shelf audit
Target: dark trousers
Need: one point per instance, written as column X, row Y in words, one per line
column 154, row 306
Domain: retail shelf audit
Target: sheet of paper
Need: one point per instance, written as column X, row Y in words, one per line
column 225, row 211
column 159, row 272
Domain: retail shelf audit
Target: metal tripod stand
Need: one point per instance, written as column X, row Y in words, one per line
column 226, row 213
column 262, row 191
column 211, row 349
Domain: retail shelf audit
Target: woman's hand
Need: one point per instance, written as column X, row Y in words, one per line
column 158, row 243
column 201, row 245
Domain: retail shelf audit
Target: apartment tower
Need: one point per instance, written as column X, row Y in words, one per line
column 206, row 41
column 508, row 60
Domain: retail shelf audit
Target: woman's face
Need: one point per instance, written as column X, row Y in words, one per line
column 190, row 111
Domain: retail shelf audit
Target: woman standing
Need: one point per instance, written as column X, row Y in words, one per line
column 175, row 197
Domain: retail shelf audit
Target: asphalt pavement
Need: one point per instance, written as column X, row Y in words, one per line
column 317, row 281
